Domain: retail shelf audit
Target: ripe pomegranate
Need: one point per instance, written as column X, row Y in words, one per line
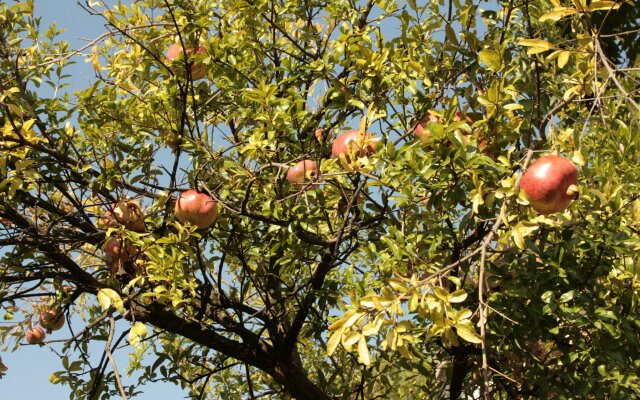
column 423, row 133
column 198, row 69
column 52, row 319
column 35, row 335
column 421, row 129
column 116, row 251
column 197, row 208
column 354, row 144
column 128, row 213
column 550, row 183
column 303, row 172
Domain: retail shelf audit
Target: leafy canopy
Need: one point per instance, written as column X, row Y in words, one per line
column 419, row 268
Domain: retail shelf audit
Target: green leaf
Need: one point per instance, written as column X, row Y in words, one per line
column 451, row 34
column 568, row 296
column 491, row 59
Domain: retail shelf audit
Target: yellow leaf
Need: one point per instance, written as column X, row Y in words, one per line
column 138, row 331
column 339, row 323
column 458, row 296
column 391, row 339
column 466, row 332
column 350, row 339
column 449, row 338
column 109, row 297
column 413, row 302
column 563, row 57
column 536, row 50
column 558, row 13
column 491, row 59
column 397, row 284
column 27, row 126
column 370, row 329
column 416, row 67
column 93, row 58
column 441, row 293
column 8, row 93
column 15, row 109
column 334, row 341
column 363, row 352
column 578, row 158
column 352, row 320
column 536, row 43
column 518, row 239
column 604, row 5
column 520, row 231
column 463, row 314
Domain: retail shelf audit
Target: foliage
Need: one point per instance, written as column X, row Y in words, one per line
column 419, row 269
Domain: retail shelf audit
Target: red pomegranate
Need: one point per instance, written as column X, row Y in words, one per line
column 52, row 319
column 198, row 70
column 550, row 183
column 35, row 335
column 197, row 208
column 128, row 213
column 353, row 143
column 302, row 172
column 421, row 129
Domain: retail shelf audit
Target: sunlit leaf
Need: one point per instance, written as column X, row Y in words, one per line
column 467, row 333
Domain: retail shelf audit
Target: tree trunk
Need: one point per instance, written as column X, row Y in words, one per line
column 296, row 382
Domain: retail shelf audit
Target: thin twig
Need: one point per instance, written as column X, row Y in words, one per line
column 107, row 349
